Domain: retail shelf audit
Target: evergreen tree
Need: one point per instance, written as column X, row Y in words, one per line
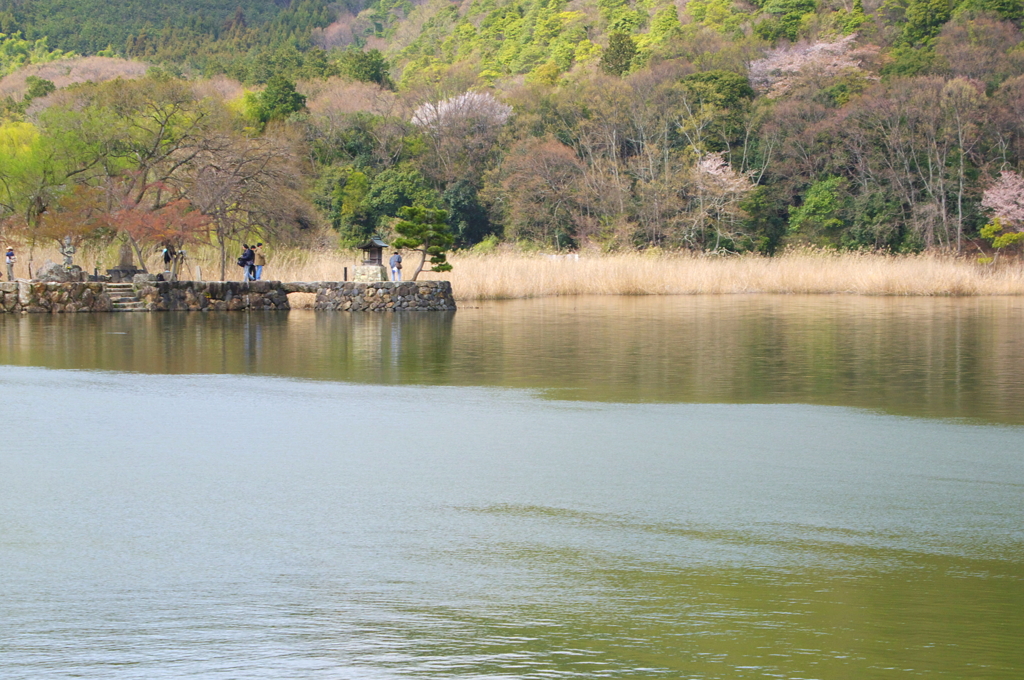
column 368, row 67
column 618, row 58
column 38, row 87
column 426, row 231
column 278, row 101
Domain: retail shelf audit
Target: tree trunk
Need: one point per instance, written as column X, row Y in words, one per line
column 175, row 266
column 223, row 258
column 423, row 259
column 138, row 252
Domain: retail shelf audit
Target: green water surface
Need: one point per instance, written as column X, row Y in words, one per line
column 692, row 487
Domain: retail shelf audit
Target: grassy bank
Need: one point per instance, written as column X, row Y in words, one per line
column 506, row 275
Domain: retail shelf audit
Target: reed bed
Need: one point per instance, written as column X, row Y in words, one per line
column 806, row 272
column 508, row 275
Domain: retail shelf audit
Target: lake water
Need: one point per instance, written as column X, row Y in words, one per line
column 681, row 487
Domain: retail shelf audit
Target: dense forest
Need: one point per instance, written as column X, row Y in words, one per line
column 710, row 124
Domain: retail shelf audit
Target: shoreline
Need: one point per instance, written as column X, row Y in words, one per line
column 41, row 297
column 510, row 274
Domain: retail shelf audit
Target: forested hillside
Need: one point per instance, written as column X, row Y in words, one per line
column 88, row 26
column 709, row 124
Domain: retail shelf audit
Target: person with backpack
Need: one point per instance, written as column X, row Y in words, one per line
column 10, row 259
column 396, row 266
column 246, row 263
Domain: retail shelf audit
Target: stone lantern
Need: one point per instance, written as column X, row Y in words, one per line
column 372, row 269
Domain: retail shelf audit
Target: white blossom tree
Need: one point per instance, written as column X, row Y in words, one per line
column 478, row 108
column 462, row 131
column 783, row 67
column 1005, row 199
column 716, row 190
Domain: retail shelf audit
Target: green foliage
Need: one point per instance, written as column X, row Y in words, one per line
column 819, row 217
column 506, row 38
column 785, row 18
column 923, row 19
column 38, row 87
column 585, row 159
column 368, row 67
column 905, row 61
column 724, row 89
column 873, row 221
column 23, row 166
column 852, row 21
column 426, row 230
column 90, row 26
column 466, row 214
column 843, row 88
column 545, row 74
column 720, row 15
column 1011, row 10
column 766, row 220
column 618, row 58
column 276, row 102
column 999, row 236
column 665, row 25
column 395, row 188
column 349, row 216
column 16, row 52
column 488, row 245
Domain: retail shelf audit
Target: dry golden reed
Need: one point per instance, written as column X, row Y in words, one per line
column 513, row 276
column 507, row 275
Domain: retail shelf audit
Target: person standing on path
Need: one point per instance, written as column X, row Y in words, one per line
column 10, row 259
column 396, row 266
column 260, row 261
column 247, row 259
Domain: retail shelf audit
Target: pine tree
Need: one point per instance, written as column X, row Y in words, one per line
column 426, row 231
column 619, row 56
column 279, row 100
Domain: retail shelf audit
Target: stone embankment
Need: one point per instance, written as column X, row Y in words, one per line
column 382, row 296
column 216, row 296
column 38, row 297
column 165, row 296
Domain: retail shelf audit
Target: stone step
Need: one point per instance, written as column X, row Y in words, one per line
column 129, row 306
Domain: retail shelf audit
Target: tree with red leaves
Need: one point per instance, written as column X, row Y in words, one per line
column 171, row 225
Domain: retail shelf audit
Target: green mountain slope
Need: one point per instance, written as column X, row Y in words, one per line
column 721, row 125
column 88, row 26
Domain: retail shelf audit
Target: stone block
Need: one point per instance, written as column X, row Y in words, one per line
column 369, row 273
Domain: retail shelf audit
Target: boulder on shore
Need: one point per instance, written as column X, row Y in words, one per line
column 56, row 273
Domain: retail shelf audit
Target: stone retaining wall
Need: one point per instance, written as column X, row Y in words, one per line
column 218, row 296
column 385, row 296
column 39, row 297
column 161, row 296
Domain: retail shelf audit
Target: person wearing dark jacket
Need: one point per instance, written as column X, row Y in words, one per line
column 247, row 261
